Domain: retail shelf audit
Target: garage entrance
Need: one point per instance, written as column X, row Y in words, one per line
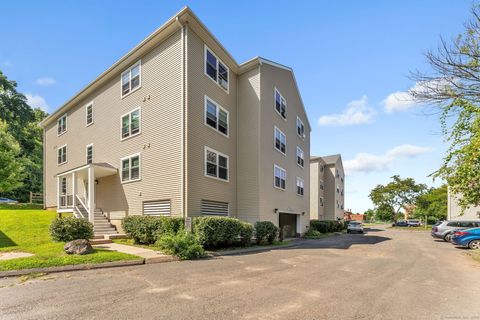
column 288, row 222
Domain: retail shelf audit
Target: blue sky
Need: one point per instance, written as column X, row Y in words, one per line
column 351, row 59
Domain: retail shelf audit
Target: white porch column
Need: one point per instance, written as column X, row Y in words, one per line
column 58, row 192
column 74, row 188
column 91, row 194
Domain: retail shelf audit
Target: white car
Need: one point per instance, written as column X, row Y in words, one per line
column 355, row 227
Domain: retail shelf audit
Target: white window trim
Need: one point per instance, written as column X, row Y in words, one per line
column 205, row 164
column 296, row 187
column 296, row 155
column 130, row 168
column 296, row 128
column 274, row 103
column 139, row 63
column 86, row 114
column 66, row 125
column 218, row 108
column 86, row 152
column 218, row 59
column 274, row 167
column 66, row 152
column 274, row 142
column 139, row 124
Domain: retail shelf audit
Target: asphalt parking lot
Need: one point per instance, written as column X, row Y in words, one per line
column 384, row 274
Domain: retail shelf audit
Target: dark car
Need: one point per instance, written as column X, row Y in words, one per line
column 400, row 223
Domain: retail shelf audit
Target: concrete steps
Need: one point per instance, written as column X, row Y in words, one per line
column 101, row 225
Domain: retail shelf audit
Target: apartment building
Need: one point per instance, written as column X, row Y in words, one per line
column 327, row 188
column 454, row 211
column 177, row 127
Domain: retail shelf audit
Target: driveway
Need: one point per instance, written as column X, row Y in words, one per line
column 385, row 274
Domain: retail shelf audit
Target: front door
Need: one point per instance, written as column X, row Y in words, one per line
column 288, row 222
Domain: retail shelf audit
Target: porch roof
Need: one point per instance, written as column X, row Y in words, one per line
column 101, row 169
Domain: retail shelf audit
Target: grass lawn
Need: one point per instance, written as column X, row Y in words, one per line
column 28, row 231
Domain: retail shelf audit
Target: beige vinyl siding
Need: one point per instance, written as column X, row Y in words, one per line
column 248, row 192
column 199, row 135
column 159, row 142
column 314, row 190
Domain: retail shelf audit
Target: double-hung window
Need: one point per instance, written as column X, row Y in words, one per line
column 300, row 128
column 216, row 164
column 280, row 104
column 131, row 124
column 131, row 168
column 215, row 69
column 90, row 153
column 280, row 140
column 215, row 116
column 280, row 177
column 300, row 157
column 89, row 114
column 62, row 124
column 321, row 202
column 321, row 185
column 131, row 79
column 62, row 155
column 300, row 186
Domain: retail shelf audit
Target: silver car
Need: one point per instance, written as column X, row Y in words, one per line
column 445, row 229
column 354, row 227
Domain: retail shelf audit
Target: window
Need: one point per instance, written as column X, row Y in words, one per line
column 62, row 124
column 453, row 224
column 280, row 177
column 321, row 185
column 216, row 164
column 280, row 140
column 338, row 189
column 336, row 173
column 62, row 154
column 215, row 208
column 89, row 114
column 131, row 168
column 90, row 153
column 131, row 79
column 321, row 202
column 321, row 168
column 215, row 116
column 215, row 69
column 131, row 124
column 64, row 185
column 280, row 104
column 300, row 186
column 300, row 157
column 300, row 128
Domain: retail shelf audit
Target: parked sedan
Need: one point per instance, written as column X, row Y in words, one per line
column 8, row 201
column 414, row 223
column 469, row 238
column 400, row 223
column 446, row 229
column 354, row 227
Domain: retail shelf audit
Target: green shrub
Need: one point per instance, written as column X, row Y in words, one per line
column 326, row 226
column 172, row 225
column 217, row 232
column 320, row 226
column 246, row 234
column 147, row 229
column 313, row 234
column 182, row 244
column 265, row 230
column 68, row 229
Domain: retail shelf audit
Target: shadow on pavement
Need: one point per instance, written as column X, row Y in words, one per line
column 373, row 230
column 341, row 242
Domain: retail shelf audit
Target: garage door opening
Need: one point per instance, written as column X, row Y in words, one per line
column 288, row 222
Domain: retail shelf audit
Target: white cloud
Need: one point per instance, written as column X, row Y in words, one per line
column 367, row 162
column 36, row 101
column 45, row 81
column 398, row 101
column 356, row 112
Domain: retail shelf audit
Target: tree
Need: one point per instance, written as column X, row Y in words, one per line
column 453, row 87
column 11, row 164
column 394, row 196
column 369, row 214
column 433, row 203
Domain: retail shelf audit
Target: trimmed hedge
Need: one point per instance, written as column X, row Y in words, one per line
column 217, row 232
column 182, row 244
column 312, row 234
column 326, row 226
column 147, row 229
column 266, row 230
column 68, row 229
column 246, row 234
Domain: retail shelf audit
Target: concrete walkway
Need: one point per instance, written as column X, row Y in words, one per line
column 150, row 256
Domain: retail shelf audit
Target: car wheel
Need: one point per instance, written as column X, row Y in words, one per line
column 448, row 237
column 348, row 231
column 475, row 244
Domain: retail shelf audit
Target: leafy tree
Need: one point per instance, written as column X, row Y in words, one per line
column 394, row 196
column 11, row 164
column 433, row 203
column 369, row 214
column 454, row 89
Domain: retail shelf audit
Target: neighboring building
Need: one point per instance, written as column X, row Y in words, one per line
column 350, row 216
column 178, row 127
column 327, row 202
column 454, row 212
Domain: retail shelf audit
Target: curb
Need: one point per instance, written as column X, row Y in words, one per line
column 252, row 250
column 77, row 267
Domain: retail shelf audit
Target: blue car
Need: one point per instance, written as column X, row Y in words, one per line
column 469, row 238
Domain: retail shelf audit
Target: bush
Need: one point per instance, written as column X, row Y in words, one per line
column 147, row 229
column 182, row 244
column 246, row 234
column 325, row 226
column 68, row 229
column 217, row 232
column 265, row 230
column 312, row 234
